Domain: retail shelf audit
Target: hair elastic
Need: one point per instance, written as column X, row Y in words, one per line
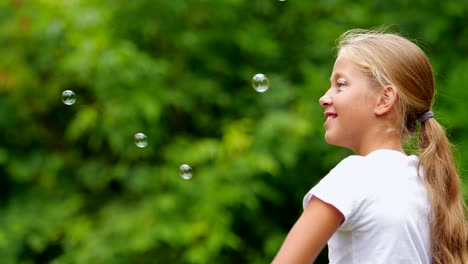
column 426, row 116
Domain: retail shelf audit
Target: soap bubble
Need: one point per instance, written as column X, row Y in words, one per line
column 185, row 172
column 260, row 82
column 68, row 97
column 140, row 140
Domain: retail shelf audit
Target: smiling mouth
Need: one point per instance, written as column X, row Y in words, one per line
column 331, row 116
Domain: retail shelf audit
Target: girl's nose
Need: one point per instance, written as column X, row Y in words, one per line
column 325, row 101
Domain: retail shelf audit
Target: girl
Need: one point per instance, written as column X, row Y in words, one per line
column 382, row 205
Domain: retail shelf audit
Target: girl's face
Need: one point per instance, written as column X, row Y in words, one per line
column 349, row 106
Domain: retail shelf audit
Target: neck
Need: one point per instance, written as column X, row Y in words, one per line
column 380, row 140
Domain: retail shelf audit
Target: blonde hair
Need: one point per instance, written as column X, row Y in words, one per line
column 390, row 59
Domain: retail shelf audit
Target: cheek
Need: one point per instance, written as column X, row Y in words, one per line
column 344, row 103
column 355, row 107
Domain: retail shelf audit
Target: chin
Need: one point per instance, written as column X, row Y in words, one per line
column 330, row 140
column 333, row 141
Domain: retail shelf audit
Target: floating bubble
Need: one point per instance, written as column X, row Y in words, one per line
column 260, row 82
column 140, row 140
column 68, row 97
column 185, row 172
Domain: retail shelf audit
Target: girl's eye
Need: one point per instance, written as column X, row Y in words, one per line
column 341, row 83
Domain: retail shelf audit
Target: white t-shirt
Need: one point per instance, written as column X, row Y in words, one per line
column 386, row 210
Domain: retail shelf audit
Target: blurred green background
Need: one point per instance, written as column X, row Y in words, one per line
column 76, row 189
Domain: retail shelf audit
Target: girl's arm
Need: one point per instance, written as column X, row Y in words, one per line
column 310, row 233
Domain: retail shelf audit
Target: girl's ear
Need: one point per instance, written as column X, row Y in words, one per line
column 386, row 99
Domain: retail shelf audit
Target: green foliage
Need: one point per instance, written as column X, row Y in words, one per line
column 76, row 189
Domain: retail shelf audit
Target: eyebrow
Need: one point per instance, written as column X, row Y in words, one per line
column 336, row 76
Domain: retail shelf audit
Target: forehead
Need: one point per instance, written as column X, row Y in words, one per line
column 345, row 67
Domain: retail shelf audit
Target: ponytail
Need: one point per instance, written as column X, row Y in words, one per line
column 449, row 226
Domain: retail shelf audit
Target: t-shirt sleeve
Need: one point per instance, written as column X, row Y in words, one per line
column 340, row 188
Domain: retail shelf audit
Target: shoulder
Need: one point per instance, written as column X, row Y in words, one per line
column 350, row 178
column 347, row 176
column 353, row 161
column 343, row 187
column 353, row 166
column 375, row 161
